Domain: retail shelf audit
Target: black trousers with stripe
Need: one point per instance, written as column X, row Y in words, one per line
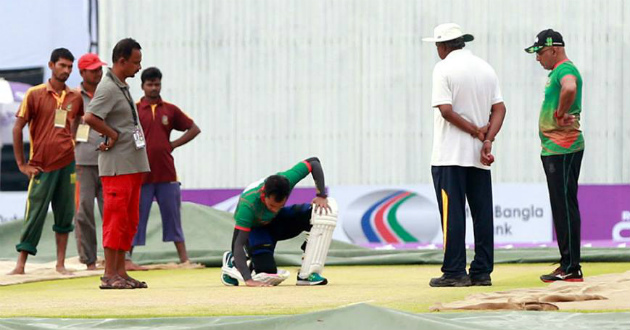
column 562, row 173
column 453, row 186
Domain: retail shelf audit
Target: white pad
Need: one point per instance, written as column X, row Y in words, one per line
column 319, row 239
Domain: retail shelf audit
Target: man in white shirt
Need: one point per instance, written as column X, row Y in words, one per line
column 466, row 92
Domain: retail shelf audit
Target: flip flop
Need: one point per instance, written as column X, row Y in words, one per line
column 135, row 283
column 114, row 283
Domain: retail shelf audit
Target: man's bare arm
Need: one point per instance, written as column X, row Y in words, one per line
column 18, row 150
column 100, row 126
column 190, row 134
column 497, row 115
column 454, row 118
column 568, row 92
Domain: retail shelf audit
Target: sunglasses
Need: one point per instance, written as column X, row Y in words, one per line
column 543, row 50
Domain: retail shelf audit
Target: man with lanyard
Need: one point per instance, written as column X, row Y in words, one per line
column 562, row 149
column 262, row 220
column 52, row 111
column 159, row 119
column 88, row 181
column 121, row 163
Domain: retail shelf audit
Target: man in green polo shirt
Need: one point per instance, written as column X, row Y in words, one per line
column 562, row 149
column 262, row 221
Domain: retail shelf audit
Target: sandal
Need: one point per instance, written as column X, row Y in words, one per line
column 115, row 282
column 135, row 283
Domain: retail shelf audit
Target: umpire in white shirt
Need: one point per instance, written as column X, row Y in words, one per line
column 469, row 114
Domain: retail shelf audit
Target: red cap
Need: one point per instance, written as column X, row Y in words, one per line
column 90, row 61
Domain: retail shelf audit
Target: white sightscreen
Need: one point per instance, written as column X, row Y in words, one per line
column 272, row 82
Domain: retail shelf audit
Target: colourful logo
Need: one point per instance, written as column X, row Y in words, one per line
column 391, row 216
column 549, row 42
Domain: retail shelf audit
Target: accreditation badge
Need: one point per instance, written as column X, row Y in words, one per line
column 60, row 118
column 138, row 138
column 83, row 132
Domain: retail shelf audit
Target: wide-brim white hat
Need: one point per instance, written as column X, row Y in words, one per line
column 448, row 31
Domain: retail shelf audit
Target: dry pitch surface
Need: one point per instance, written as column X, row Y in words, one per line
column 200, row 292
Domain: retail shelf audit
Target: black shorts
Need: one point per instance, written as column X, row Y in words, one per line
column 289, row 222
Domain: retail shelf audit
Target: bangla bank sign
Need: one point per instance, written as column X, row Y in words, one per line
column 409, row 214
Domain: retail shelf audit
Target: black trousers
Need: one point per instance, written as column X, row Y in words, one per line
column 453, row 186
column 562, row 173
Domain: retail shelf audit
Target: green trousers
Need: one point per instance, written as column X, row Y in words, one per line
column 56, row 187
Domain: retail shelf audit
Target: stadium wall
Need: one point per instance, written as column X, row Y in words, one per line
column 272, row 82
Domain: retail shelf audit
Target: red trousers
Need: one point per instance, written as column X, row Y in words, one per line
column 121, row 210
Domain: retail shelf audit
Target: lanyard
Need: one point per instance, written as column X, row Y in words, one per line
column 59, row 99
column 128, row 97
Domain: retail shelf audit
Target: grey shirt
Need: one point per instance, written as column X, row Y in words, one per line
column 111, row 105
column 85, row 153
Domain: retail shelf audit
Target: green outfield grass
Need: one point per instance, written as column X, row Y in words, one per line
column 200, row 292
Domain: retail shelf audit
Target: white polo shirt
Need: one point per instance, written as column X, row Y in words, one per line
column 471, row 86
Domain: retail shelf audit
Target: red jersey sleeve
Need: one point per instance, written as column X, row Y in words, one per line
column 181, row 121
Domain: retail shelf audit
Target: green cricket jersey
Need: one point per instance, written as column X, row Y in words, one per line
column 251, row 211
column 554, row 139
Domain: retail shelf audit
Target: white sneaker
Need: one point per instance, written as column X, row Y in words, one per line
column 230, row 276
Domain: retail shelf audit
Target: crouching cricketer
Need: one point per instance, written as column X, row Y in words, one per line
column 262, row 220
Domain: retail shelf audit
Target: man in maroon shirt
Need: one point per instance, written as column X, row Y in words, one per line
column 159, row 119
column 52, row 111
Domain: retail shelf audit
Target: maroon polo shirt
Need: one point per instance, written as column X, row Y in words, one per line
column 158, row 121
column 52, row 147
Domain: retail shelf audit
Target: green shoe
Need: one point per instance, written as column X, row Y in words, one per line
column 229, row 281
column 313, row 279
